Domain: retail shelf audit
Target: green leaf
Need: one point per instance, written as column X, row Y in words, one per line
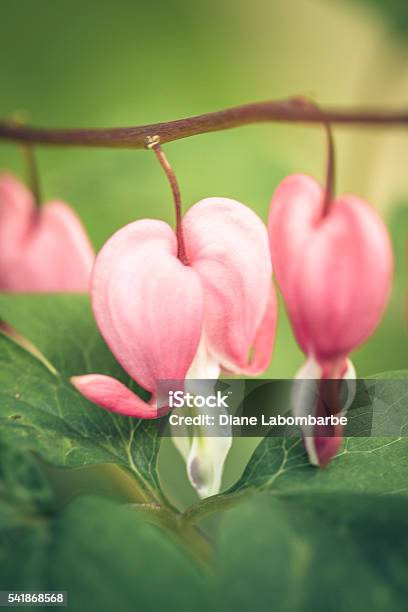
column 107, row 557
column 364, row 464
column 314, row 552
column 24, row 491
column 373, row 465
column 368, row 465
column 42, row 411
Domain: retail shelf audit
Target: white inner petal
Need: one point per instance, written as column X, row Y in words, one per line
column 203, row 366
column 204, row 455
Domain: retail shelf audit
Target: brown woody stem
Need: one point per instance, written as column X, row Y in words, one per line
column 292, row 111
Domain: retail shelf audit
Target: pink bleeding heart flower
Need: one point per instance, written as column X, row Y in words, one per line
column 334, row 269
column 41, row 250
column 166, row 320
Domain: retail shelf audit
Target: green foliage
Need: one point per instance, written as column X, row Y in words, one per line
column 24, row 491
column 314, row 551
column 329, row 539
column 324, row 550
column 369, row 465
column 42, row 411
column 105, row 556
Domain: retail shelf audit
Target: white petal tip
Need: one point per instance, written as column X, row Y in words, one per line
column 205, row 484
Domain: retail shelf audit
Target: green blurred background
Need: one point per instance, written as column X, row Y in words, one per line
column 106, row 63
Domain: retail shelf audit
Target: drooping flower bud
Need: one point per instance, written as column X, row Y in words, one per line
column 41, row 250
column 164, row 320
column 333, row 267
column 334, row 270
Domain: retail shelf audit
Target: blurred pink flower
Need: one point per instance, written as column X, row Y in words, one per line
column 41, row 250
column 334, row 271
column 166, row 320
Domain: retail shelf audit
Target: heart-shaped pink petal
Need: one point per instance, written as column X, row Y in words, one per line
column 43, row 250
column 147, row 304
column 334, row 270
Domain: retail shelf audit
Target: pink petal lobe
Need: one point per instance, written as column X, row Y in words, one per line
column 227, row 246
column 16, row 216
column 114, row 396
column 263, row 344
column 63, row 238
column 147, row 304
column 16, row 212
column 295, row 210
column 344, row 279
